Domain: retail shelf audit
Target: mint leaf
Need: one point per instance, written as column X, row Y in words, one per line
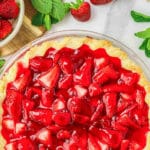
column 43, row 6
column 143, row 45
column 143, row 34
column 67, row 7
column 47, row 22
column 139, row 17
column 54, row 21
column 147, row 50
column 37, row 19
column 58, row 10
column 2, row 62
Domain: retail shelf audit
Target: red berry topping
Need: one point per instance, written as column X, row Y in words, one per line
column 75, row 100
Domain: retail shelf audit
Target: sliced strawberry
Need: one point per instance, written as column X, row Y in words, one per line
column 83, row 75
column 118, row 88
column 105, row 122
column 62, row 118
column 43, row 116
column 44, row 137
column 49, row 52
column 124, row 145
column 13, row 102
column 127, row 121
column 26, row 144
column 81, row 91
column 8, row 124
column 47, row 97
column 27, row 106
column 65, row 82
column 116, row 62
column 110, row 101
column 55, row 128
column 11, row 146
column 97, row 112
column 94, row 102
column 100, row 2
column 58, row 105
column 80, row 119
column 129, row 78
column 93, row 143
column 40, row 64
column 50, row 78
column 100, row 52
column 100, row 63
column 140, row 96
column 94, row 89
column 62, row 94
column 20, row 128
column 66, row 65
column 134, row 146
column 63, row 134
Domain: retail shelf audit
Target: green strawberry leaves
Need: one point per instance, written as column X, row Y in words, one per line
column 139, row 17
column 49, row 12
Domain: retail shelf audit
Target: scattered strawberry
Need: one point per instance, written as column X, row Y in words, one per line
column 81, row 10
column 9, row 9
column 100, row 2
column 5, row 28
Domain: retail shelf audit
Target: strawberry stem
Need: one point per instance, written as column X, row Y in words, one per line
column 76, row 5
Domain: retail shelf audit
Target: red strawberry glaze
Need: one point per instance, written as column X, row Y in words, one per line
column 75, row 99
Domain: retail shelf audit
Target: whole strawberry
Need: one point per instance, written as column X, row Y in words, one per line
column 5, row 28
column 9, row 9
column 81, row 10
column 100, row 2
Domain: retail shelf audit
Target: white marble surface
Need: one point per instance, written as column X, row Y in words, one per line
column 114, row 20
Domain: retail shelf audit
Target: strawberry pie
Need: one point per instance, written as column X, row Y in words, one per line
column 75, row 93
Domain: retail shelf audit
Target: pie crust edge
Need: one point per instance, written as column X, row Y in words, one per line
column 74, row 42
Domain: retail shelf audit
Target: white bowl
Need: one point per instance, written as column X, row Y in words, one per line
column 16, row 24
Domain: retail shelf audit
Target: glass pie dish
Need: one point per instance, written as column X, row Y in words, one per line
column 112, row 92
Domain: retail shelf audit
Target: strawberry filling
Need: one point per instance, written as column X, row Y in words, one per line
column 75, row 99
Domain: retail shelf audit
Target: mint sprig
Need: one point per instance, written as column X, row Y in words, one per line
column 49, row 12
column 140, row 17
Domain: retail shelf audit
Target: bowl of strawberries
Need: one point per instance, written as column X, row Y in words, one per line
column 11, row 18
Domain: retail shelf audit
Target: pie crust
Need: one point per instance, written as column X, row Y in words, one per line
column 74, row 42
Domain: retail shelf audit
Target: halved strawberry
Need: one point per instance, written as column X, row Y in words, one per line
column 97, row 112
column 80, row 119
column 47, row 97
column 93, row 143
column 100, row 53
column 118, row 88
column 20, row 128
column 63, row 134
column 26, row 144
column 58, row 105
column 129, row 78
column 124, row 145
column 11, row 146
column 27, row 106
column 65, row 82
column 100, row 2
column 83, row 75
column 44, row 137
column 13, row 102
column 40, row 64
column 66, row 65
column 62, row 118
column 110, row 101
column 100, row 63
column 81, row 91
column 40, row 115
column 94, row 89
column 8, row 124
column 50, row 78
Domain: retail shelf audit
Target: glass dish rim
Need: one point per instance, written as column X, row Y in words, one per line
column 78, row 33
